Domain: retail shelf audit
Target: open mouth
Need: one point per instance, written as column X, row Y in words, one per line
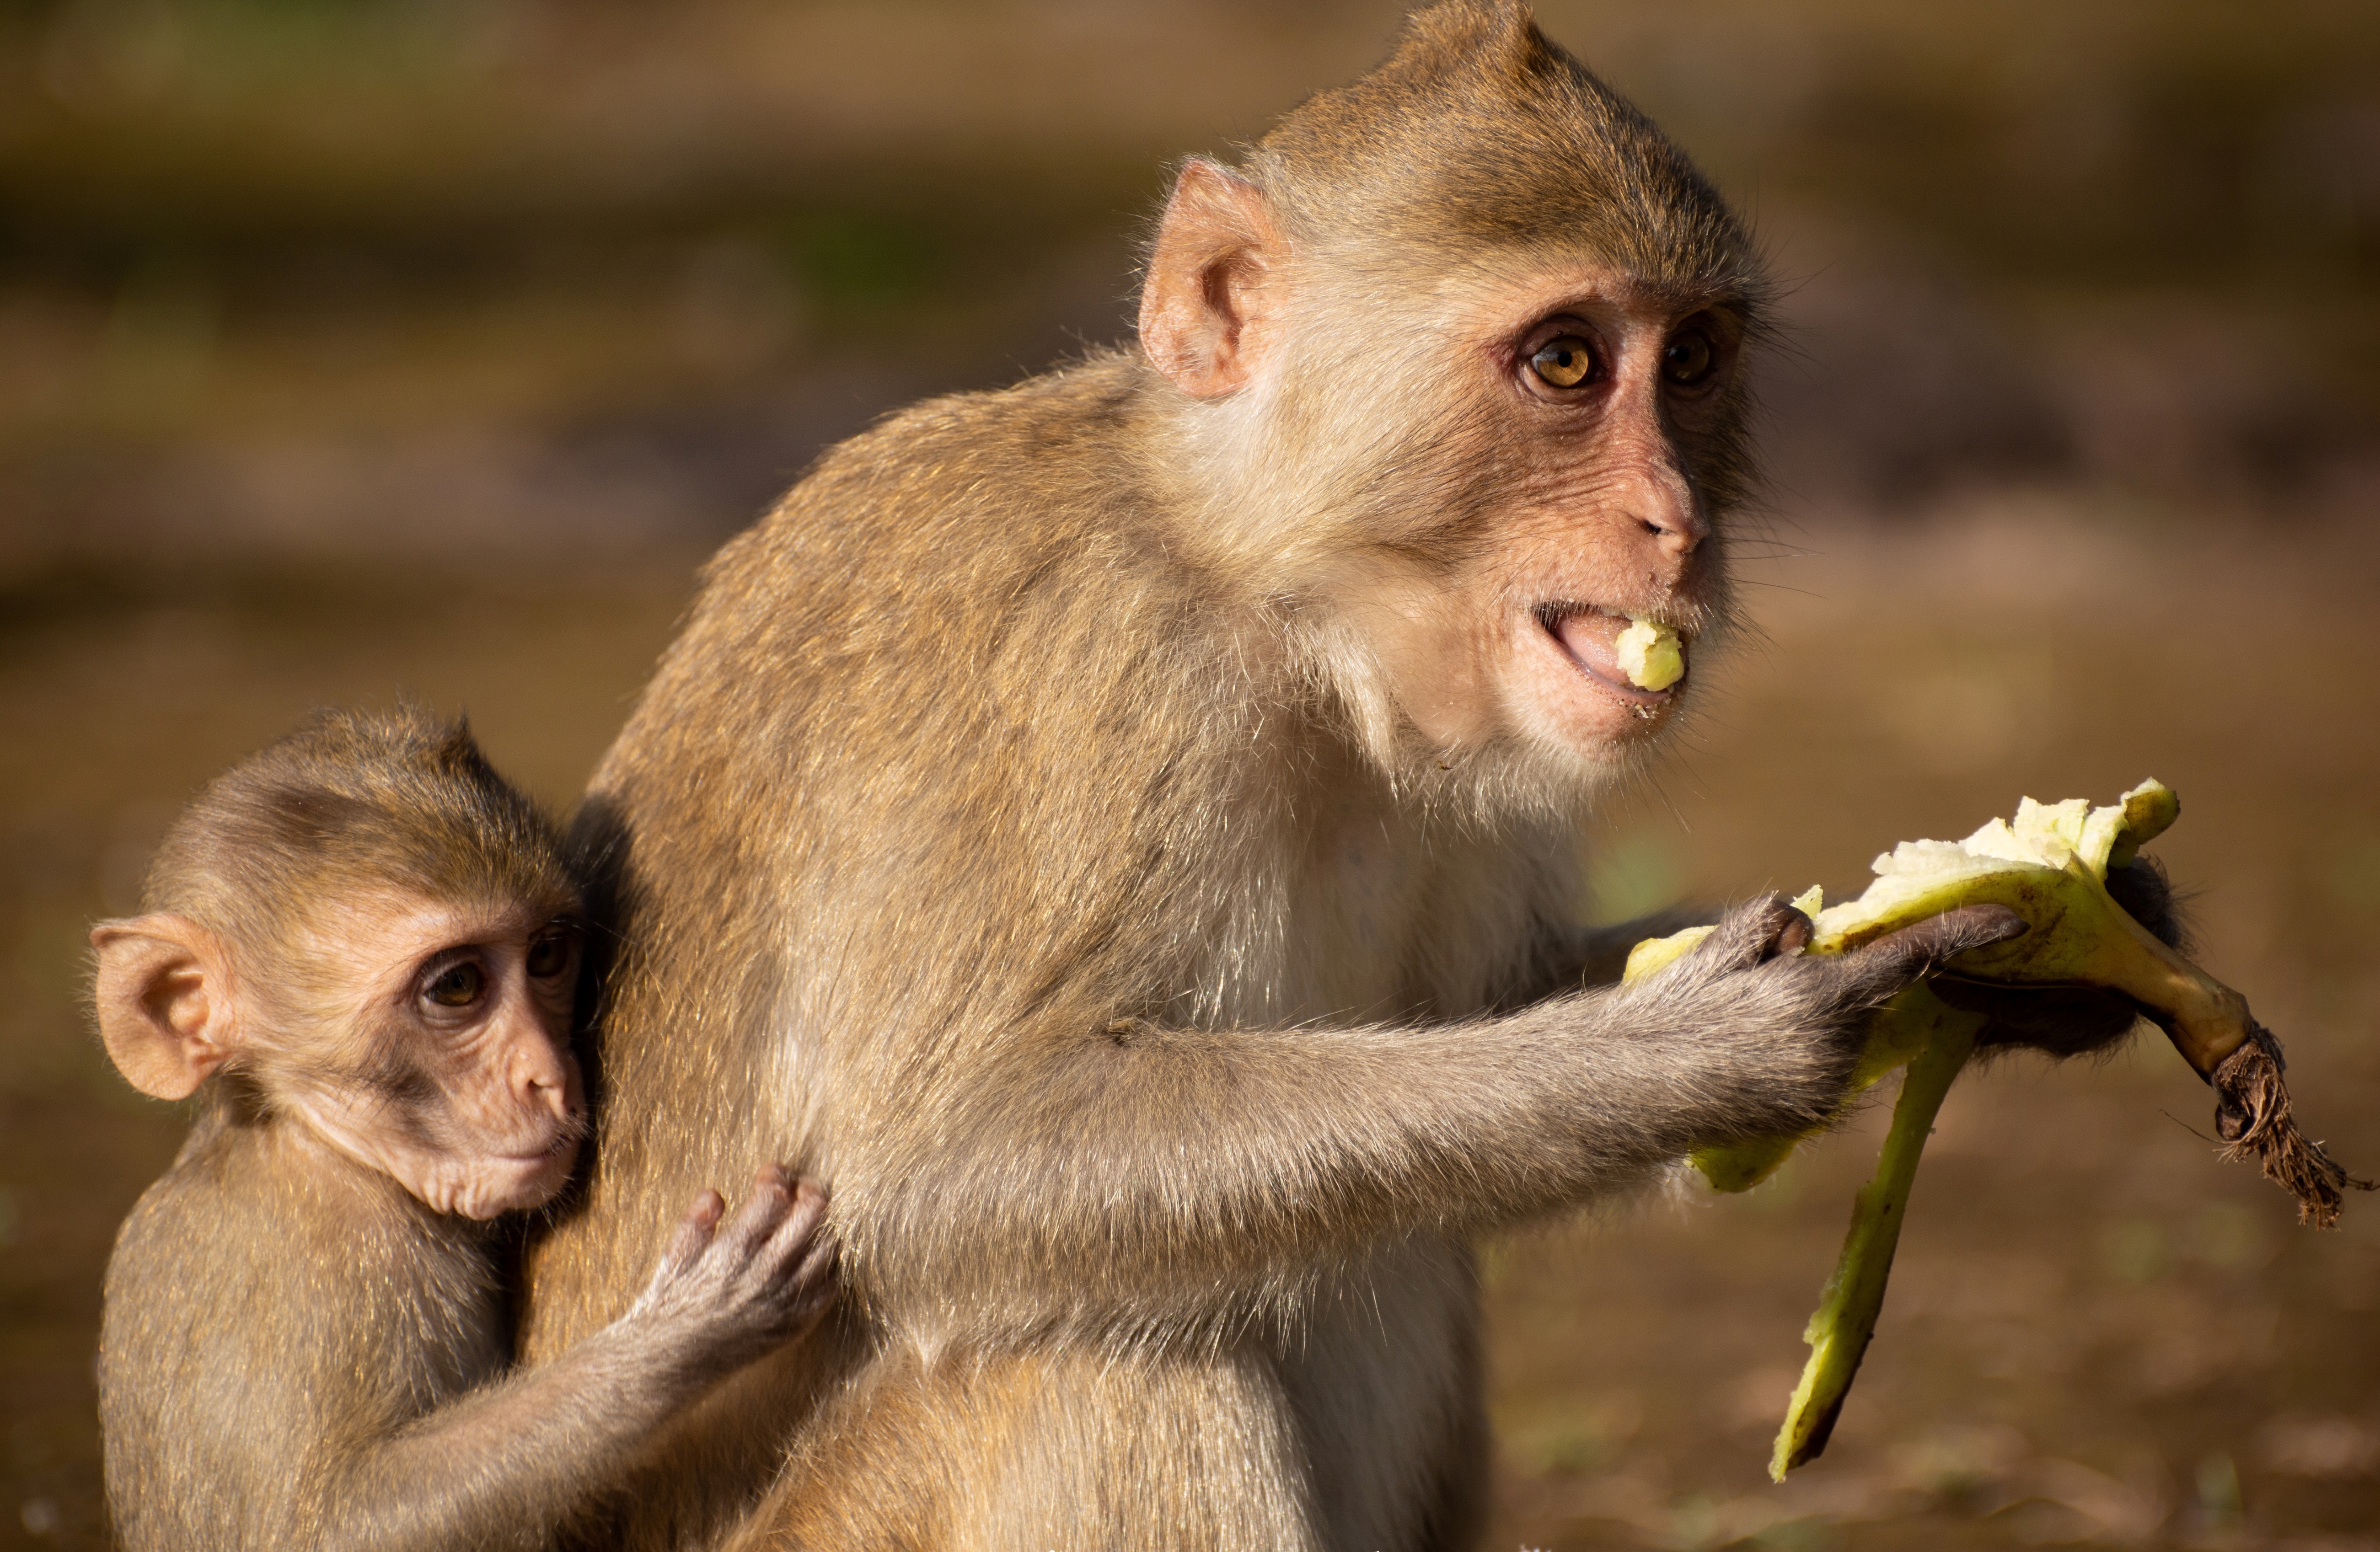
column 1588, row 635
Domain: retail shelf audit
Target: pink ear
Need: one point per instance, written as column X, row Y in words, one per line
column 1203, row 307
column 165, row 1005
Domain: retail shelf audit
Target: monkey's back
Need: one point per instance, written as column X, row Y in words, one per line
column 267, row 1305
column 953, row 759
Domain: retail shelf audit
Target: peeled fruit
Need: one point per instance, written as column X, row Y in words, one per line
column 1649, row 655
column 2050, row 866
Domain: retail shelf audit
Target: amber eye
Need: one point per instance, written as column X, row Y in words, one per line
column 548, row 956
column 1686, row 360
column 458, row 986
column 1565, row 362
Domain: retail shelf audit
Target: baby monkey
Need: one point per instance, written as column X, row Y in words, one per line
column 361, row 950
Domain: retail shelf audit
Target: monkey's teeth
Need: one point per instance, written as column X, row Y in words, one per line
column 1650, row 655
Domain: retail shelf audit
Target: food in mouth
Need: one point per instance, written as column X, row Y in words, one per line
column 1649, row 654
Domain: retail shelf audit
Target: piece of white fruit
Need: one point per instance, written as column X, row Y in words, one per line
column 1649, row 655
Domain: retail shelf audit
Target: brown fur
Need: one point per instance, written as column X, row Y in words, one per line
column 300, row 1351
column 1033, row 832
column 354, row 801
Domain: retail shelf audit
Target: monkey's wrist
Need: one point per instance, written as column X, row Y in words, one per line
column 685, row 1349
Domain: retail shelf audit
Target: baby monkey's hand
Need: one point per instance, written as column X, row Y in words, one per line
column 734, row 1292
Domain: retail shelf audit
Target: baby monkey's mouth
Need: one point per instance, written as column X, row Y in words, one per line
column 1635, row 659
column 557, row 1146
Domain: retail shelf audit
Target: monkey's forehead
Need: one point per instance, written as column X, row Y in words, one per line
column 378, row 923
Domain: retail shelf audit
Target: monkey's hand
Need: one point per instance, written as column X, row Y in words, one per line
column 725, row 1294
column 1750, row 973
column 2074, row 1021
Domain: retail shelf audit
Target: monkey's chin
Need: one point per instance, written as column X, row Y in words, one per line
column 499, row 1184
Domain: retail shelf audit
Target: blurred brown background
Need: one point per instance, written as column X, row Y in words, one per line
column 353, row 346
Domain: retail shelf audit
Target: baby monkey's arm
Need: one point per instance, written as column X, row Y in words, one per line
column 508, row 1464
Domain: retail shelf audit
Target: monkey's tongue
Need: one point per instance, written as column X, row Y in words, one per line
column 1591, row 637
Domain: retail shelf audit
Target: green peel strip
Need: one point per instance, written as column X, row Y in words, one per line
column 1944, row 1038
column 2050, row 867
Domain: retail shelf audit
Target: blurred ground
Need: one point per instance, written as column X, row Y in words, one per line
column 352, row 346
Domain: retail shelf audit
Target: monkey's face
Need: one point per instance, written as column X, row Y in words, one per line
column 1480, row 459
column 1557, row 485
column 446, row 1062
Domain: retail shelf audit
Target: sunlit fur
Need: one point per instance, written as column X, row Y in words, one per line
column 1024, row 834
column 305, row 819
column 306, row 1338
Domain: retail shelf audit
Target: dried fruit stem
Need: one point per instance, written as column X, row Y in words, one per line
column 2251, row 1112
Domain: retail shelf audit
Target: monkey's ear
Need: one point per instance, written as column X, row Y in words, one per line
column 165, row 1003
column 1204, row 309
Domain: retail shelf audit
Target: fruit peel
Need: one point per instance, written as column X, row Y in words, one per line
column 2050, row 865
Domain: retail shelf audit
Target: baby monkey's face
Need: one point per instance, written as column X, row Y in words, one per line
column 456, row 1077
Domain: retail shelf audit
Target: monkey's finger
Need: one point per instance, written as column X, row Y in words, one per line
column 771, row 1199
column 1752, row 932
column 799, row 1229
column 2061, row 1020
column 819, row 1265
column 1900, row 957
column 813, row 1284
column 694, row 1231
column 2147, row 895
column 815, row 1273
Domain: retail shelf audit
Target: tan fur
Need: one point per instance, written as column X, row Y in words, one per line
column 308, row 819
column 306, row 1334
column 1039, row 831
column 210, row 1405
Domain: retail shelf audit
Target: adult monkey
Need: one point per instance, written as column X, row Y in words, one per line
column 1120, row 832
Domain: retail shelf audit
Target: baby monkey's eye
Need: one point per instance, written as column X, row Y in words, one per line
column 1565, row 362
column 550, row 955
column 1686, row 360
column 458, row 986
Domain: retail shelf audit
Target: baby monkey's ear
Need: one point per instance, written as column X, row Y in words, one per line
column 164, row 999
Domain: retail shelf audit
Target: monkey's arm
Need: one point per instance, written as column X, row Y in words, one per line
column 1082, row 1173
column 508, row 1464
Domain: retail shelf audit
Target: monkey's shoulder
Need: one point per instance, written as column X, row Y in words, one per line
column 961, row 542
column 261, row 1218
column 960, row 489
column 269, row 1305
column 1049, row 420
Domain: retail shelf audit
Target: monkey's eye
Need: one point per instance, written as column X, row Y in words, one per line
column 458, row 986
column 1686, row 360
column 550, row 955
column 1565, row 362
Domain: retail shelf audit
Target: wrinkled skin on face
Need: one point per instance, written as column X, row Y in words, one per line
column 462, row 1086
column 1604, row 391
column 426, row 1039
column 1479, row 536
